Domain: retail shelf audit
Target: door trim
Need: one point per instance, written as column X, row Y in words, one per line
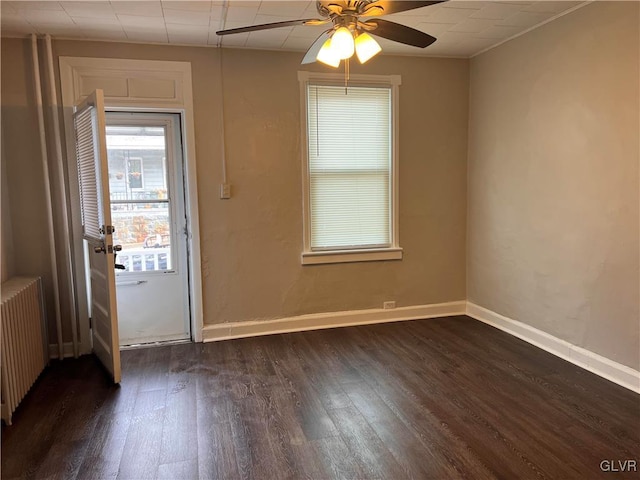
column 142, row 86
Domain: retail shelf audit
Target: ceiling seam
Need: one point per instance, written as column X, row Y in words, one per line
column 223, row 21
column 544, row 22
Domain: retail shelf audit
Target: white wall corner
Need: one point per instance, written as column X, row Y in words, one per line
column 613, row 371
column 318, row 321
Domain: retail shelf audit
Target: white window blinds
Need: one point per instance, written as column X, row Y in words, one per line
column 350, row 143
column 88, row 173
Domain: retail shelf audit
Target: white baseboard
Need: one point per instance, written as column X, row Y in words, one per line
column 317, row 321
column 67, row 350
column 602, row 366
column 593, row 362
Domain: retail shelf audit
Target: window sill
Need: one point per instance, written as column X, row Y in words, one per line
column 349, row 256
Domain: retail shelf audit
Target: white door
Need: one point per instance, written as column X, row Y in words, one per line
column 148, row 212
column 97, row 229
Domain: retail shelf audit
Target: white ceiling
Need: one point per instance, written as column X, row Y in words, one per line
column 463, row 28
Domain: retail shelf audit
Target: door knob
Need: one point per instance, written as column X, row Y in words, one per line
column 117, row 248
column 99, row 249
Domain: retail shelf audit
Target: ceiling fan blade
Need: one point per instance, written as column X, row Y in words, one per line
column 267, row 26
column 313, row 22
column 312, row 53
column 387, row 7
column 398, row 33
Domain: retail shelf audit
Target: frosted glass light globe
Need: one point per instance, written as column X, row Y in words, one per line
column 342, row 43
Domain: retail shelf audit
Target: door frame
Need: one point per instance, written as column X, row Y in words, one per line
column 135, row 86
column 174, row 173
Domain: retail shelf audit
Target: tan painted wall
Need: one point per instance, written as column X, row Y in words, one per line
column 251, row 244
column 6, row 249
column 553, row 180
column 23, row 197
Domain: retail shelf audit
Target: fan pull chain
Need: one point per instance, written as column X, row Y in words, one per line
column 317, row 125
column 346, row 75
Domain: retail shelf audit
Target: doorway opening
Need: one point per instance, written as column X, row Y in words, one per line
column 147, row 198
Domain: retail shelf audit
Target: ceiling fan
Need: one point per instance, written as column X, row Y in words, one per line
column 353, row 23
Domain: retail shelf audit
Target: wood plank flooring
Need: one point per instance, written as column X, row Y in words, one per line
column 431, row 399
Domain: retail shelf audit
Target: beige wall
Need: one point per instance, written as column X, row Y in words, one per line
column 253, row 249
column 251, row 244
column 6, row 248
column 553, row 180
column 25, row 240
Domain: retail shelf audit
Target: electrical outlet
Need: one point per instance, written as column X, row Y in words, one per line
column 225, row 191
column 389, row 305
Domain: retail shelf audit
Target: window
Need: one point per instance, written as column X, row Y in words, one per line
column 135, row 173
column 350, row 184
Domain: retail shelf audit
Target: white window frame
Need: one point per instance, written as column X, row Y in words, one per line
column 392, row 252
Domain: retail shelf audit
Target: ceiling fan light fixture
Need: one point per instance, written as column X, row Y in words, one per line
column 350, row 20
column 342, row 43
column 366, row 47
column 328, row 55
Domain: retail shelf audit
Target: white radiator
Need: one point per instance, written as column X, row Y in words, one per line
column 23, row 340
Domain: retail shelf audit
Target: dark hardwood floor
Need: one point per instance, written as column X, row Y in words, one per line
column 432, row 399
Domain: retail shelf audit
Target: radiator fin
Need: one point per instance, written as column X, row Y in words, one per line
column 23, row 340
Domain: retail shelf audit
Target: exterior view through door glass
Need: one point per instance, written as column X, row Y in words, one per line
column 148, row 214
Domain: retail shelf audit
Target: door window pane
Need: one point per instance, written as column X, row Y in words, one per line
column 144, row 231
column 140, row 208
column 137, row 163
